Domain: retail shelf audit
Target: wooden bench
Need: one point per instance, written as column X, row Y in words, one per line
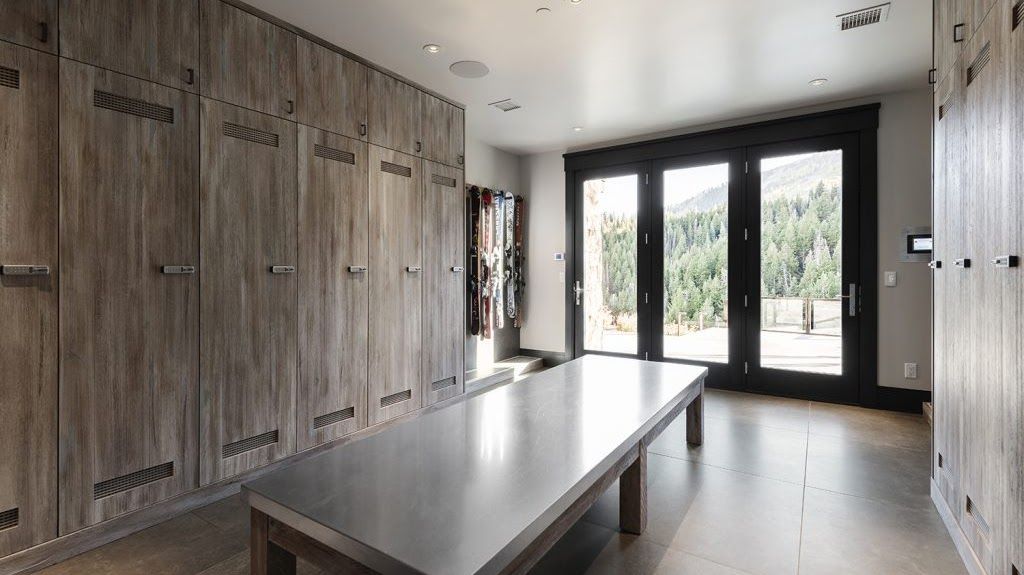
column 486, row 485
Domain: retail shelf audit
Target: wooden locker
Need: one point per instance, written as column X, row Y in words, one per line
column 245, row 60
column 457, row 138
column 31, row 23
column 394, row 114
column 444, row 287
column 155, row 40
column 396, row 284
column 248, row 296
column 950, row 30
column 128, row 325
column 28, row 303
column 334, row 286
column 331, row 91
column 434, row 132
column 985, row 81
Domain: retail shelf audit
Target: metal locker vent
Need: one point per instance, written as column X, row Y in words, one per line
column 395, row 169
column 944, row 107
column 864, row 17
column 979, row 519
column 10, row 77
column 333, row 154
column 255, row 442
column 133, row 106
column 441, row 384
column 979, row 63
column 132, row 480
column 8, row 519
column 1018, row 14
column 442, row 181
column 1014, row 570
column 394, row 398
column 250, row 134
column 334, row 417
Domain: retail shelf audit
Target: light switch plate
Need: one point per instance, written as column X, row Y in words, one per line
column 890, row 279
column 909, row 371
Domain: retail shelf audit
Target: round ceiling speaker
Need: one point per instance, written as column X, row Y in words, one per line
column 469, row 69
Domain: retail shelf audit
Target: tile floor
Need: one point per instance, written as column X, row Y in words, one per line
column 780, row 486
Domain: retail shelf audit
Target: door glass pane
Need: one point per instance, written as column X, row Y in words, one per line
column 801, row 273
column 696, row 263
column 609, row 264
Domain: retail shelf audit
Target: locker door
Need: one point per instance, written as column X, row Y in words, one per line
column 248, row 295
column 152, row 39
column 28, row 298
column 31, row 23
column 393, row 109
column 245, row 60
column 128, row 325
column 331, row 91
column 444, row 286
column 333, row 287
column 434, row 130
column 457, row 136
column 396, row 284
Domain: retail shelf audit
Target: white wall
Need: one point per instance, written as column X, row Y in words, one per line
column 904, row 199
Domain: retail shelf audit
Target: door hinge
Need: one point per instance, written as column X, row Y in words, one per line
column 746, row 368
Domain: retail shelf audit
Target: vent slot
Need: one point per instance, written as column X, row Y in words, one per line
column 979, row 63
column 979, row 519
column 249, row 444
column 443, row 181
column 864, row 17
column 1014, row 570
column 1018, row 16
column 333, row 154
column 396, row 398
column 506, row 105
column 8, row 519
column 132, row 480
column 940, row 461
column 10, row 78
column 334, row 417
column 439, row 385
column 133, row 106
column 395, row 169
column 250, row 134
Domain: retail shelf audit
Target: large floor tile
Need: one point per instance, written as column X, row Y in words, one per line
column 845, row 534
column 637, row 556
column 576, row 550
column 870, row 426
column 757, row 409
column 766, row 451
column 238, row 564
column 891, row 474
column 229, row 513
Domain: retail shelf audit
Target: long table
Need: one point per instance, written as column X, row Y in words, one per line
column 486, row 485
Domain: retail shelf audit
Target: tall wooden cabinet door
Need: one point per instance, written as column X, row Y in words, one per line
column 31, row 23
column 457, row 136
column 245, row 60
column 951, row 29
column 444, row 286
column 394, row 113
column 152, row 39
column 128, row 324
column 28, row 298
column 248, row 297
column 434, row 133
column 333, row 286
column 331, row 91
column 396, row 284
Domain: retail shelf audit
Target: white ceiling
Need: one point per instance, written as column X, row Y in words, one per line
column 621, row 68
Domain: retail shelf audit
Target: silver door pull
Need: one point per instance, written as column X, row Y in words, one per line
column 458, row 269
column 24, row 270
column 414, row 269
column 962, row 263
column 178, row 270
column 852, row 298
column 282, row 269
column 1005, row 261
column 357, row 269
column 577, row 291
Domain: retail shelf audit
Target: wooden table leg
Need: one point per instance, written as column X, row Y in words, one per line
column 266, row 558
column 695, row 421
column 633, row 495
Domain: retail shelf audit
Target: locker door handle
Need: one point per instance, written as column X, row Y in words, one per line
column 419, row 146
column 458, row 269
column 178, row 270
column 282, row 269
column 19, row 270
column 935, row 264
column 362, row 129
column 852, row 298
column 357, row 269
column 290, row 106
column 190, row 76
column 462, row 159
column 414, row 269
column 962, row 263
column 958, row 33
column 44, row 32
column 1005, row 261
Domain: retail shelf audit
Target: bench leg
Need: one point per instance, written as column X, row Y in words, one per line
column 695, row 421
column 266, row 558
column 633, row 495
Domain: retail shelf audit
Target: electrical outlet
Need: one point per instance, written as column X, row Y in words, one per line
column 890, row 279
column 909, row 371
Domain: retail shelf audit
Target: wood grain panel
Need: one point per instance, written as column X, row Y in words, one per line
column 128, row 334
column 434, row 130
column 333, row 301
column 947, row 15
column 28, row 306
column 444, row 289
column 31, row 23
column 457, row 137
column 248, row 326
column 245, row 60
column 155, row 40
column 396, row 243
column 393, row 111
column 331, row 91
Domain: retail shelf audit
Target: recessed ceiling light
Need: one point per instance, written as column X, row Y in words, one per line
column 469, row 69
column 575, row 2
column 543, row 11
column 818, row 82
column 431, row 48
column 577, row 128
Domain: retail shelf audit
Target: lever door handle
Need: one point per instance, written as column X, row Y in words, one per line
column 458, row 269
column 1005, row 261
column 577, row 291
column 178, row 270
column 935, row 264
column 357, row 269
column 24, row 270
column 962, row 262
column 414, row 269
column 282, row 269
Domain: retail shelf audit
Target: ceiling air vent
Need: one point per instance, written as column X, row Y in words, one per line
column 865, row 17
column 506, row 105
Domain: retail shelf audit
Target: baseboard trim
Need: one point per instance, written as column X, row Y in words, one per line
column 967, row 554
column 906, row 400
column 551, row 358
